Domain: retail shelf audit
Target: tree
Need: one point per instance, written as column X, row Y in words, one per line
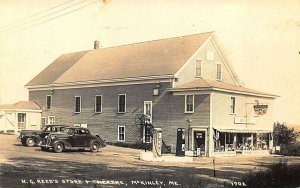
column 284, row 135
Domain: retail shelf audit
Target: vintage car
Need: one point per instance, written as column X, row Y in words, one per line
column 73, row 138
column 35, row 137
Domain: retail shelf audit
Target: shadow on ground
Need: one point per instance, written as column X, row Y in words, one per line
column 28, row 169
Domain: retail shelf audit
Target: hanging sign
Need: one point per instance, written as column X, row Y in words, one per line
column 260, row 109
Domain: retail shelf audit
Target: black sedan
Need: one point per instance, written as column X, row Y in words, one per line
column 73, row 138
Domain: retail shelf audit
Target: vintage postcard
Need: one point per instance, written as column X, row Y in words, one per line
column 107, row 93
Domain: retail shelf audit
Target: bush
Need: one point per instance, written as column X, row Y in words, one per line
column 144, row 146
column 284, row 135
column 290, row 149
column 279, row 175
column 141, row 145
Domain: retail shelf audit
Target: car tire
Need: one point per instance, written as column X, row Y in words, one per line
column 58, row 147
column 30, row 142
column 94, row 147
column 44, row 149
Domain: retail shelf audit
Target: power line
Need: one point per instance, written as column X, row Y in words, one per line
column 39, row 18
column 32, row 25
column 34, row 15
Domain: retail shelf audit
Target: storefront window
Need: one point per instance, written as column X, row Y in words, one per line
column 225, row 142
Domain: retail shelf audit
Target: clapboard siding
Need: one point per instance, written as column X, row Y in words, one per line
column 168, row 110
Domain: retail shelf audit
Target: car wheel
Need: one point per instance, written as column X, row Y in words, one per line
column 94, row 147
column 58, row 147
column 44, row 149
column 30, row 142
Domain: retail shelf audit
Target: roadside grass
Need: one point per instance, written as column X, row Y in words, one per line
column 278, row 175
column 290, row 149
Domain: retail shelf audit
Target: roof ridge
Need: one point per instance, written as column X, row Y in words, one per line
column 75, row 52
column 168, row 38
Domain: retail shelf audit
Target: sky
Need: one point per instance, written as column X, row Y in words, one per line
column 260, row 38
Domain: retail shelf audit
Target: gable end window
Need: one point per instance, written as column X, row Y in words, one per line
column 232, row 105
column 121, row 133
column 48, row 102
column 219, row 72
column 98, row 104
column 189, row 104
column 198, row 68
column 122, row 103
column 77, row 104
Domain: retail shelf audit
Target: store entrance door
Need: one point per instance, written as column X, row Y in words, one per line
column 199, row 143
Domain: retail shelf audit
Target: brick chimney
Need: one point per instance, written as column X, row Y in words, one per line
column 96, row 44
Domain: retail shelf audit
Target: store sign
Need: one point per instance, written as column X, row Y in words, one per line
column 260, row 109
column 242, row 120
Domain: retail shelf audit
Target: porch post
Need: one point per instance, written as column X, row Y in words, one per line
column 270, row 141
column 225, row 142
column 15, row 123
column 5, row 124
column 234, row 141
column 251, row 141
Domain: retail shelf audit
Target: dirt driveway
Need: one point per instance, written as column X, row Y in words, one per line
column 116, row 167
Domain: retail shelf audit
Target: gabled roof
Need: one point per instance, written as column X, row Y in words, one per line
column 206, row 84
column 153, row 58
column 56, row 69
column 24, row 105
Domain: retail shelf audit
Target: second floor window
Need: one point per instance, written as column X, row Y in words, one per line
column 48, row 102
column 189, row 103
column 219, row 72
column 232, row 105
column 198, row 68
column 98, row 104
column 121, row 133
column 122, row 103
column 77, row 104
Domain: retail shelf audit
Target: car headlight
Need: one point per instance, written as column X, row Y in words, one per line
column 52, row 137
column 46, row 137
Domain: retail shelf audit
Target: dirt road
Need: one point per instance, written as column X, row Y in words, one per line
column 116, row 167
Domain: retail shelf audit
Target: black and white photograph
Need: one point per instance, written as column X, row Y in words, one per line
column 122, row 93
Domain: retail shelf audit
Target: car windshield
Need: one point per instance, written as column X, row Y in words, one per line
column 69, row 131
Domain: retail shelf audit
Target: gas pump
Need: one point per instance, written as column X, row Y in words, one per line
column 157, row 142
column 180, row 144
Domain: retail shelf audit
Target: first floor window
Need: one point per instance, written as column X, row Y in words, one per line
column 189, row 103
column 147, row 134
column 122, row 103
column 98, row 104
column 232, row 105
column 77, row 104
column 21, row 117
column 51, row 120
column 121, row 133
column 43, row 122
